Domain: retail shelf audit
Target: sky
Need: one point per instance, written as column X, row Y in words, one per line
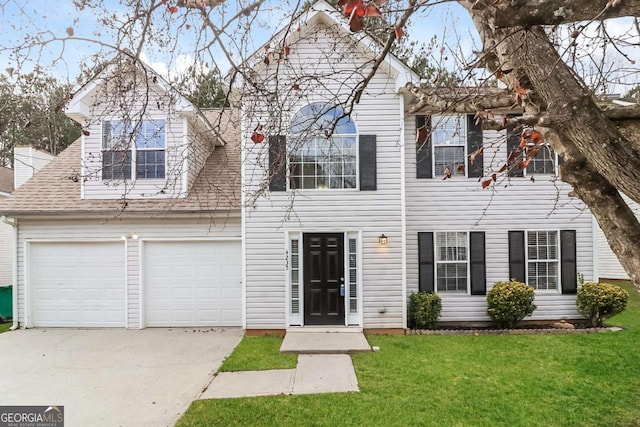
column 173, row 53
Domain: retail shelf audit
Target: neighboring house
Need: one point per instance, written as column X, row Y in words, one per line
column 6, row 235
column 131, row 227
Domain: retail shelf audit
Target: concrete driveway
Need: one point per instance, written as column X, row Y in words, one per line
column 112, row 377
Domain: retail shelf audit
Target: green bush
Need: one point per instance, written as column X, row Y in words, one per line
column 598, row 301
column 424, row 310
column 509, row 302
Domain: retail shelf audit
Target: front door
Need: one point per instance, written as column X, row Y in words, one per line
column 324, row 279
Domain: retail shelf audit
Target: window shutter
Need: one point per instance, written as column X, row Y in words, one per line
column 278, row 163
column 517, row 262
column 423, row 148
column 513, row 143
column 368, row 169
column 474, row 142
column 478, row 264
column 425, row 261
column 569, row 279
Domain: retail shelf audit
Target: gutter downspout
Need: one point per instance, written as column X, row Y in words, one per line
column 14, row 224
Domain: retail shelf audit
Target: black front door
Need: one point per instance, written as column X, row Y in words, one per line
column 324, row 279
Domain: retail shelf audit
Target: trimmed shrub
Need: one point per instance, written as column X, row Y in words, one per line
column 599, row 301
column 424, row 310
column 510, row 302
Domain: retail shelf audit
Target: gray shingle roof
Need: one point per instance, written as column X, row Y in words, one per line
column 56, row 188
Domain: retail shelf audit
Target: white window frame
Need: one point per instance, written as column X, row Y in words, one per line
column 437, row 262
column 557, row 260
column 461, row 130
column 293, row 139
column 132, row 148
column 545, row 146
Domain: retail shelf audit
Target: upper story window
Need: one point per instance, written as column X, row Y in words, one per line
column 323, row 148
column 124, row 151
column 449, row 145
column 541, row 158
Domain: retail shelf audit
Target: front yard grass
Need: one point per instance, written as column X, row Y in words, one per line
column 259, row 354
column 4, row 327
column 510, row 380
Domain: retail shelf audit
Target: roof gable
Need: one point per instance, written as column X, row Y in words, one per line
column 322, row 12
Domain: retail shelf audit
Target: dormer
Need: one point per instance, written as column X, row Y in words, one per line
column 141, row 139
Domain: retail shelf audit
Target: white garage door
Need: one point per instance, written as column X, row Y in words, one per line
column 77, row 284
column 195, row 283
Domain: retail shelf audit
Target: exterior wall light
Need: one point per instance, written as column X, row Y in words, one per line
column 383, row 240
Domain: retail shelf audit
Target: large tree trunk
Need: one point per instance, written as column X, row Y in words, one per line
column 599, row 159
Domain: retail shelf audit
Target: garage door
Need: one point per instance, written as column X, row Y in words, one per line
column 77, row 284
column 195, row 283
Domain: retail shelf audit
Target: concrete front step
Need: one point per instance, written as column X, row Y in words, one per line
column 327, row 341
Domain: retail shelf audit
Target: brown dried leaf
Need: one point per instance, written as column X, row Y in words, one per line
column 475, row 154
column 486, row 183
column 69, row 31
column 523, row 164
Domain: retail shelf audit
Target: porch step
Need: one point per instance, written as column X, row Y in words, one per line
column 324, row 341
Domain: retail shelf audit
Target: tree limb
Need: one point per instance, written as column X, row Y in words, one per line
column 527, row 13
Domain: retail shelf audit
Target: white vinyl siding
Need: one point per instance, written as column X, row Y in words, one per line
column 461, row 204
column 609, row 266
column 222, row 226
column 370, row 213
column 6, row 253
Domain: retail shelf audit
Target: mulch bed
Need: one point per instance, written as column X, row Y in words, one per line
column 523, row 330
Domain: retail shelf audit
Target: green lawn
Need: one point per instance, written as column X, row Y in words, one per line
column 4, row 327
column 543, row 380
column 259, row 354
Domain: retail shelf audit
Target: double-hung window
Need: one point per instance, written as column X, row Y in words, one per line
column 542, row 259
column 322, row 149
column 452, row 261
column 544, row 162
column 125, row 149
column 449, row 145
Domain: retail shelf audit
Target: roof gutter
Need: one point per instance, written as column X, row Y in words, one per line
column 14, row 269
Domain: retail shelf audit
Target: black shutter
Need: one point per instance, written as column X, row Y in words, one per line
column 517, row 262
column 278, row 163
column 513, row 144
column 423, row 148
column 367, row 152
column 474, row 142
column 478, row 264
column 425, row 260
column 569, row 270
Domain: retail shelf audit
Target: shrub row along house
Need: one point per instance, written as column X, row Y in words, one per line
column 295, row 210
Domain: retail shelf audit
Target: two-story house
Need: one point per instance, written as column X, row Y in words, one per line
column 302, row 210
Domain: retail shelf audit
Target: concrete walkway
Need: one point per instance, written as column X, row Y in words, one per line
column 315, row 373
column 324, row 366
column 324, row 341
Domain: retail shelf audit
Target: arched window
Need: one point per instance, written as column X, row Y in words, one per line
column 323, row 148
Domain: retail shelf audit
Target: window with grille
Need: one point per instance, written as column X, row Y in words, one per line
column 124, row 151
column 452, row 262
column 295, row 276
column 323, row 149
column 542, row 259
column 449, row 140
column 353, row 276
